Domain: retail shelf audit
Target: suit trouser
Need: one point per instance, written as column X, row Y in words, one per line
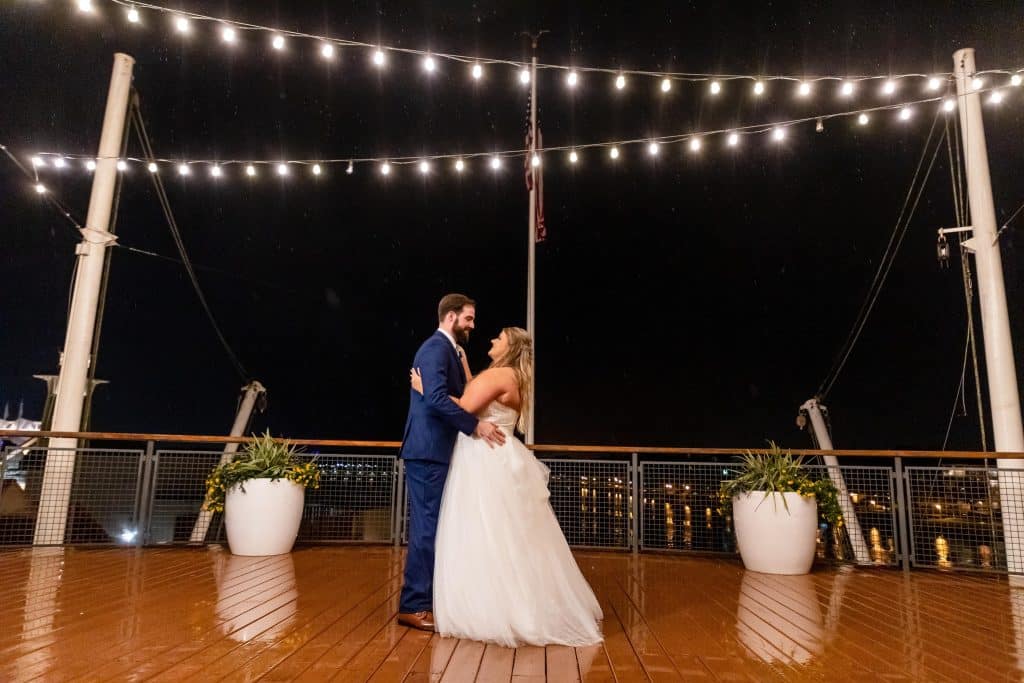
column 425, row 484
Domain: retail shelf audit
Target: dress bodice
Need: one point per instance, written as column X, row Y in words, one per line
column 501, row 415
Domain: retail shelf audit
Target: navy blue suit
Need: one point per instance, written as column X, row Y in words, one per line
column 431, row 428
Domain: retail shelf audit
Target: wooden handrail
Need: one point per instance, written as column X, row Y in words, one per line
column 546, row 448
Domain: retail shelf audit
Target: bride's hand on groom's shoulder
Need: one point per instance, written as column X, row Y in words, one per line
column 416, row 380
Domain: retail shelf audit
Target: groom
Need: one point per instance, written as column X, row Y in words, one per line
column 430, row 430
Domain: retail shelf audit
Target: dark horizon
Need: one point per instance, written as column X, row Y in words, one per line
column 693, row 301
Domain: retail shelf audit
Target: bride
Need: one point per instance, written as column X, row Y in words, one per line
column 503, row 571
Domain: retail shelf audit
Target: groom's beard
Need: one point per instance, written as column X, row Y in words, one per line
column 461, row 334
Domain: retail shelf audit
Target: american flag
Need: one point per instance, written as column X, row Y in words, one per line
column 536, row 175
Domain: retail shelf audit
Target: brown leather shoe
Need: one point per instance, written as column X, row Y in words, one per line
column 424, row 621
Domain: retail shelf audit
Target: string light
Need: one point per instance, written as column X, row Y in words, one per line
column 181, row 23
column 327, row 51
column 620, row 82
column 733, row 139
column 996, row 97
column 378, row 57
column 350, row 168
column 535, row 161
column 228, row 35
column 85, row 6
column 934, row 83
column 778, row 134
column 429, row 65
column 183, row 169
column 133, row 15
column 847, row 89
column 863, row 119
column 495, row 163
column 1015, row 80
column 804, row 89
column 949, row 104
column 250, row 171
column 152, row 167
column 977, row 83
column 215, row 171
column 524, row 76
column 695, row 144
column 889, row 88
column 758, row 88
column 614, row 152
column 653, row 149
column 385, row 168
column 715, row 87
column 59, row 162
column 122, row 165
column 316, row 169
column 573, row 157
column 38, row 162
column 90, row 165
column 460, row 165
column 572, row 79
column 277, row 42
column 906, row 113
column 40, row 188
column 477, row 71
column 424, row 167
column 666, row 85
column 282, row 170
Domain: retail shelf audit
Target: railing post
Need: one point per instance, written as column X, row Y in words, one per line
column 902, row 515
column 144, row 496
column 398, row 511
column 635, row 509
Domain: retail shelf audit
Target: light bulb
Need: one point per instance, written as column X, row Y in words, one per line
column 278, row 42
column 758, row 88
column 282, row 169
column 906, row 113
column 59, row 162
column 424, row 167
column 350, row 168
column 666, row 85
column 889, row 87
column 121, row 165
column 996, row 97
column 85, row 6
column 614, row 153
column 732, row 140
column 133, row 15
column 228, row 35
column 40, row 188
column 326, row 50
column 215, row 171
column 695, row 144
column 535, row 161
column 385, row 168
column 478, row 72
column 715, row 87
column 90, row 165
column 181, row 23
column 977, row 83
column 846, row 89
column 934, row 83
column 38, row 162
column 524, row 76
column 460, row 165
column 495, row 163
column 429, row 65
column 653, row 149
column 152, row 167
column 573, row 156
column 378, row 57
column 949, row 104
column 250, row 171
column 183, row 169
column 863, row 119
column 316, row 169
column 572, row 79
column 804, row 90
column 620, row 82
column 778, row 134
column 1015, row 80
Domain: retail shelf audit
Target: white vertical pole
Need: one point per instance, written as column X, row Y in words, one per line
column 51, row 520
column 252, row 391
column 531, row 278
column 995, row 322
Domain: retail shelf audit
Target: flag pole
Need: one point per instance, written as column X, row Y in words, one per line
column 531, row 274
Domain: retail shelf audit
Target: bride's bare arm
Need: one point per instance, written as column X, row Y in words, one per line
column 487, row 386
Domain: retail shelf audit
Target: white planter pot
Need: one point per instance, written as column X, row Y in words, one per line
column 771, row 538
column 264, row 519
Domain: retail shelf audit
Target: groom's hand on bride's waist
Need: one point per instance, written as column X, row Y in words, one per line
column 490, row 432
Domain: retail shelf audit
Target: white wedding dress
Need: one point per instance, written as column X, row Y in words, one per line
column 503, row 572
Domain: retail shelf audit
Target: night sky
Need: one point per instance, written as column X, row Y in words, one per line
column 692, row 301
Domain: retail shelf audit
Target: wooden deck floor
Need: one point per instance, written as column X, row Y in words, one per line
column 327, row 613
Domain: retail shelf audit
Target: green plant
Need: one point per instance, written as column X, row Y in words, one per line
column 777, row 471
column 262, row 458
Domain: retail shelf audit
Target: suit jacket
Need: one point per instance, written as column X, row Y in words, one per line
column 434, row 419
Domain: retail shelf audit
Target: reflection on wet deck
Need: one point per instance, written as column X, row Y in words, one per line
column 328, row 613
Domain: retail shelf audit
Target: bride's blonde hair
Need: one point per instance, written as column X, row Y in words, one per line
column 519, row 357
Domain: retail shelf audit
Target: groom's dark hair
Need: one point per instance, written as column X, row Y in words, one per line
column 452, row 303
